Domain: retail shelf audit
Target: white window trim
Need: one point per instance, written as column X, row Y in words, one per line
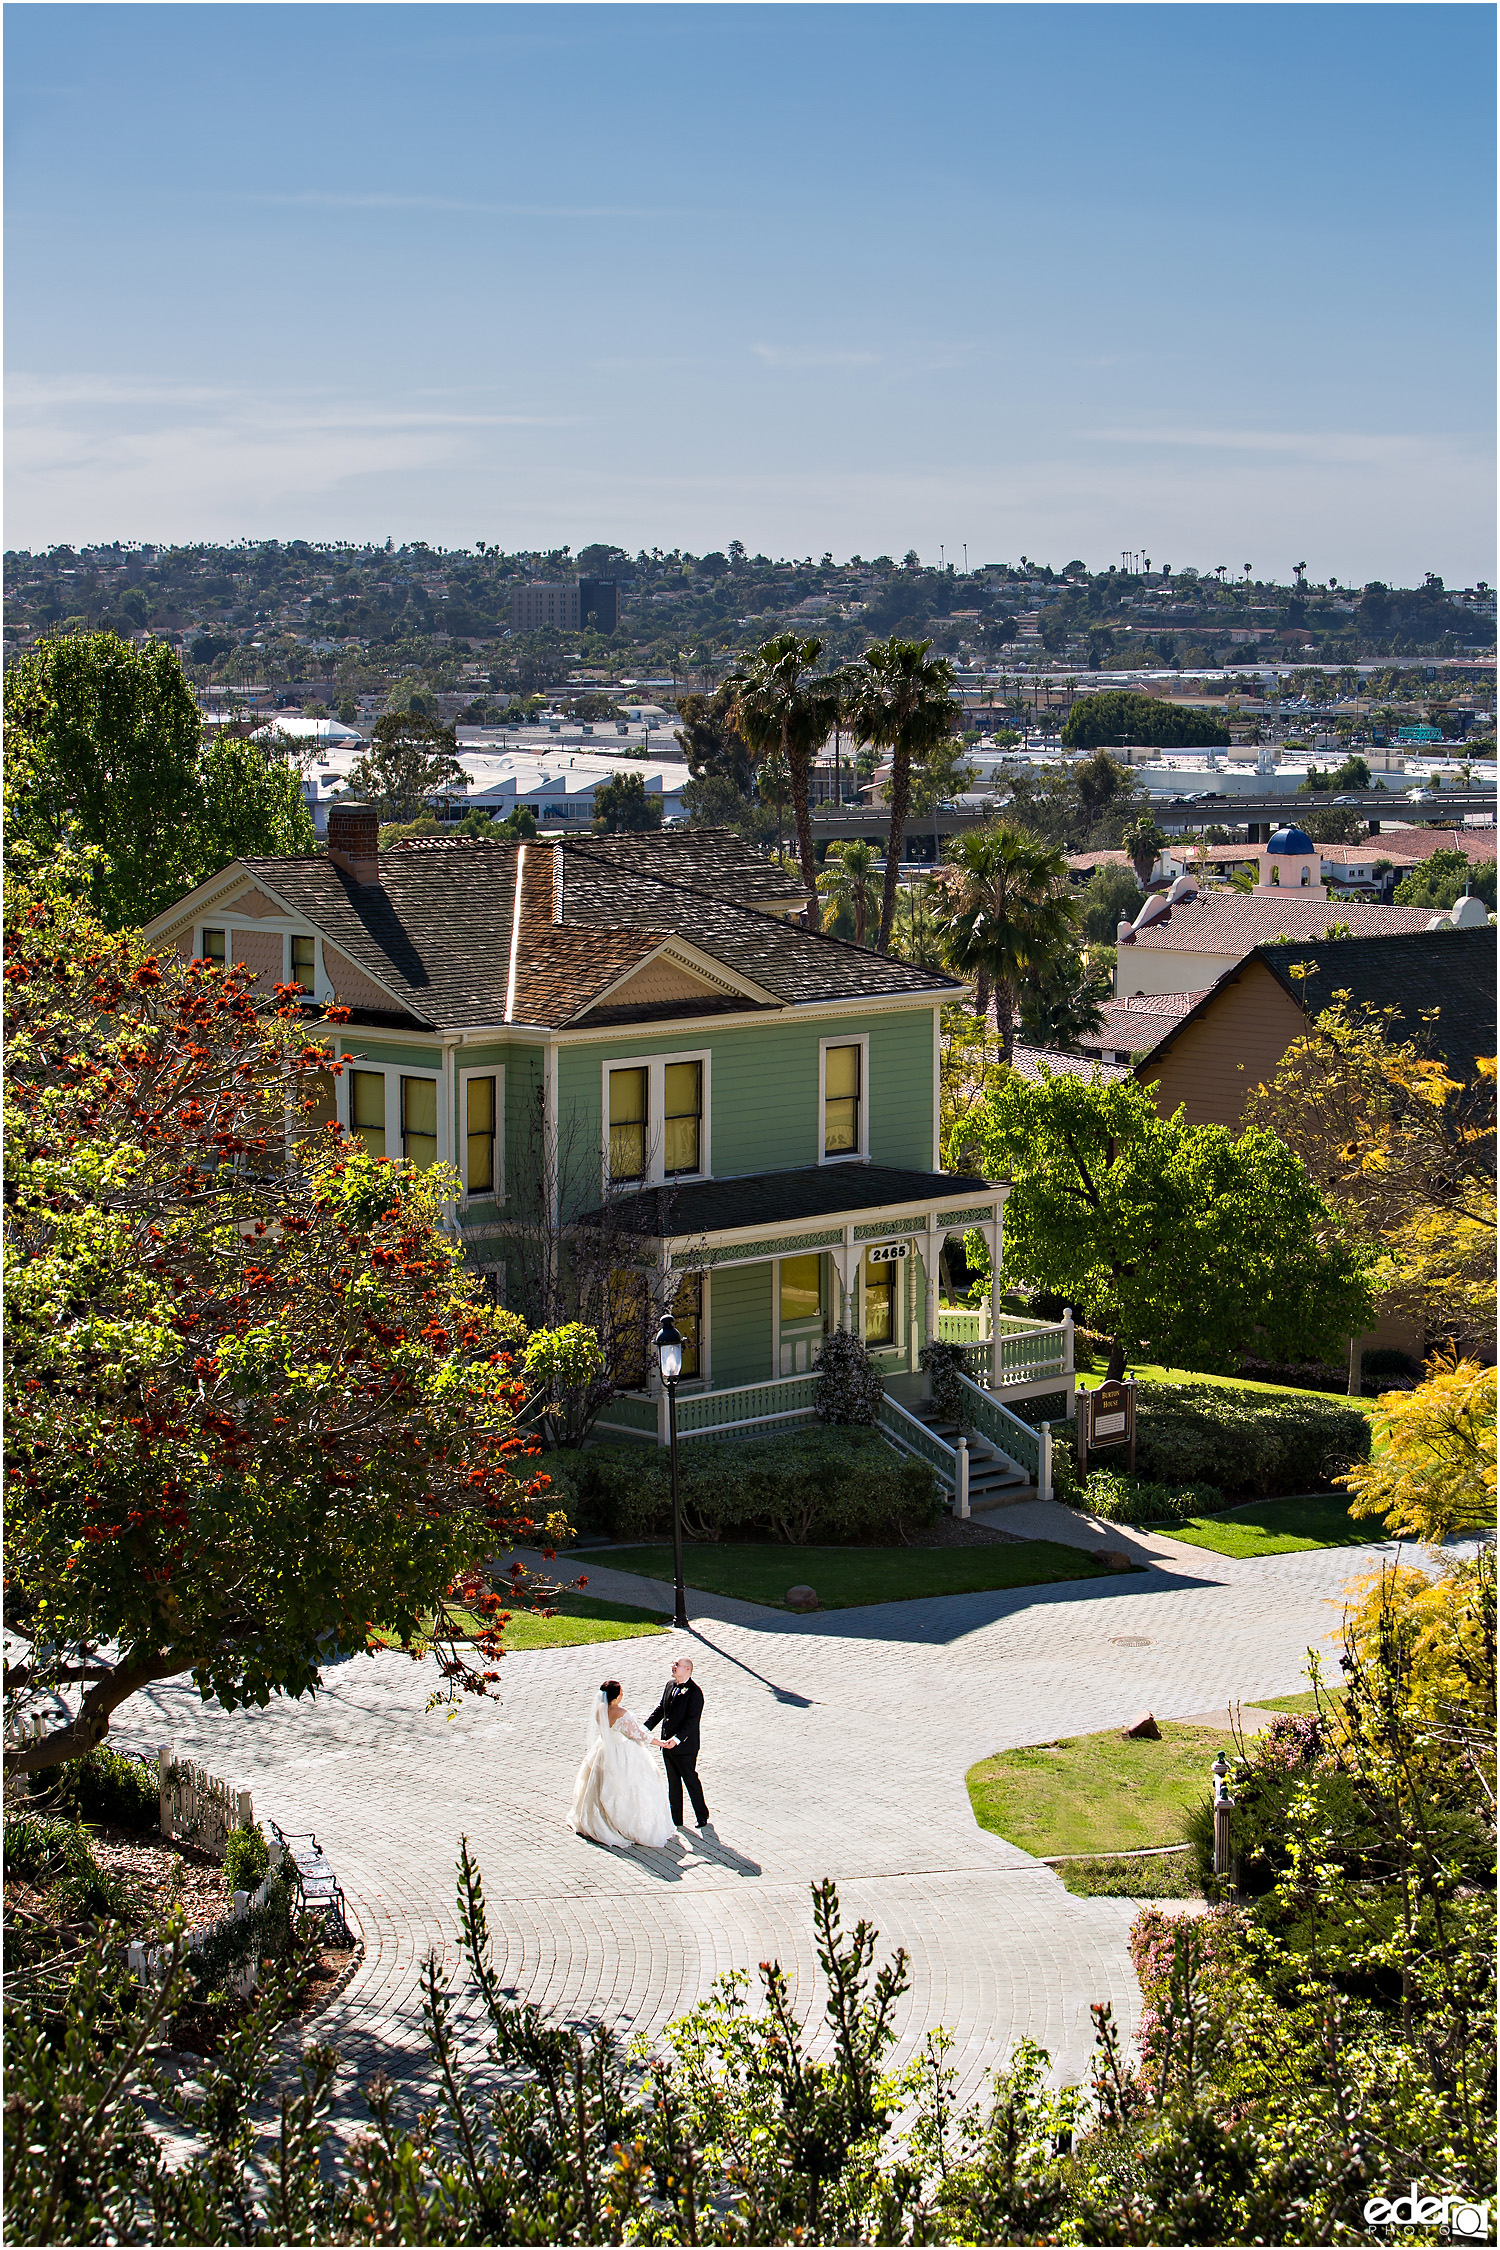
column 860, row 1155
column 496, row 1194
column 655, row 1067
column 394, row 1073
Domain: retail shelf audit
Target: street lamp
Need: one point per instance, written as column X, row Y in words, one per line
column 669, row 1357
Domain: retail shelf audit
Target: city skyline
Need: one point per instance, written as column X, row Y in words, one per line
column 1211, row 283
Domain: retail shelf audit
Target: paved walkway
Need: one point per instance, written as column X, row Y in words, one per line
column 832, row 1745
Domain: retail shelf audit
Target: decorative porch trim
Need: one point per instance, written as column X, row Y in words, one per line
column 916, row 1224
column 754, row 1253
column 977, row 1215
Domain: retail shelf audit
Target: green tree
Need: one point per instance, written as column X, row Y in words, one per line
column 1101, row 783
column 777, row 704
column 1064, row 1003
column 1144, row 841
column 1109, row 897
column 848, row 883
column 623, row 807
column 711, row 741
column 1204, row 1245
column 1117, row 716
column 411, row 767
column 1005, row 916
column 902, row 701
column 258, row 1406
column 1440, row 881
column 917, row 936
column 941, row 779
column 105, row 752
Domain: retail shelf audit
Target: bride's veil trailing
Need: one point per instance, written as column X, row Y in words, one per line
column 598, row 1720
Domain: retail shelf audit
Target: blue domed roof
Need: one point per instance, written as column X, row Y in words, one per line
column 1291, row 840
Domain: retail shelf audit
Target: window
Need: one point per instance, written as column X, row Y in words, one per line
column 319, row 1106
column 367, row 1108
column 302, row 963
column 626, row 1344
column 843, row 1075
column 687, row 1311
column 419, row 1121
column 684, row 1116
column 479, row 1136
column 213, row 947
column 801, row 1289
column 880, row 1301
column 627, row 1124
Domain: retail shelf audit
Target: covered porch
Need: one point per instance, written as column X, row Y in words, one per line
column 759, row 1270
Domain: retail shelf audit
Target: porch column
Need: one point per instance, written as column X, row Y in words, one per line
column 846, row 1265
column 992, row 1239
column 932, row 1250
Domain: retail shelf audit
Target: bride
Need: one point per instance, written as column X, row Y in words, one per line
column 620, row 1796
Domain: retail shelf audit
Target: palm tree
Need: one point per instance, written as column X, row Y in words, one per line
column 777, row 705
column 1005, row 916
column 773, row 786
column 901, row 700
column 916, row 936
column 1143, row 840
column 848, row 884
column 1063, row 1005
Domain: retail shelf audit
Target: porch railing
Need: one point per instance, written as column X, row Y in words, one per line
column 963, row 1324
column 909, row 1435
column 788, row 1398
column 623, row 1412
column 1025, row 1354
column 1030, row 1449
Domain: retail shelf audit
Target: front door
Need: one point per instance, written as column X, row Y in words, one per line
column 802, row 1311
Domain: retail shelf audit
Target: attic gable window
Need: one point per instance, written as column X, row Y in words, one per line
column 214, row 948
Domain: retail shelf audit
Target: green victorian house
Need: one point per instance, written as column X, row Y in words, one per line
column 636, row 1041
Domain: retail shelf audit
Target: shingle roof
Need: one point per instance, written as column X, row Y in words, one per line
column 1442, row 985
column 713, row 860
column 778, row 1199
column 1235, row 925
column 1030, row 1062
column 436, row 931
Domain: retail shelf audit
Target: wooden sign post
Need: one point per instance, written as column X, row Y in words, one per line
column 1106, row 1417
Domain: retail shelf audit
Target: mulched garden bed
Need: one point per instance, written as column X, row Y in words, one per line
column 958, row 1531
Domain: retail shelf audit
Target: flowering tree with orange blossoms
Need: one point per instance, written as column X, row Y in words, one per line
column 258, row 1409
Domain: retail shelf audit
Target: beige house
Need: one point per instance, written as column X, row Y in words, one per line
column 1199, row 940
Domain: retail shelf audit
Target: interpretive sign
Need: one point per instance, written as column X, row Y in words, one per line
column 1106, row 1417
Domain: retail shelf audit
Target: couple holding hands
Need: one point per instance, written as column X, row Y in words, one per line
column 624, row 1794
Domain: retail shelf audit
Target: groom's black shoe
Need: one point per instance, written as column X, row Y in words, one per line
column 705, row 1827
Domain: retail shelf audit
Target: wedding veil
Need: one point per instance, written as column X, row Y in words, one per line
column 598, row 1721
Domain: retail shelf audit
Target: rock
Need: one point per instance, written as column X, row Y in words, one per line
column 1143, row 1729
column 1114, row 1558
column 801, row 1597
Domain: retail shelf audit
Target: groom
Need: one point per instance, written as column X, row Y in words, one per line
column 679, row 1711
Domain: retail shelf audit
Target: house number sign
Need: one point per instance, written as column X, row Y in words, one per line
column 890, row 1253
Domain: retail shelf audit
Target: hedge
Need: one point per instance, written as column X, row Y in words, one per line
column 817, row 1483
column 1248, row 1444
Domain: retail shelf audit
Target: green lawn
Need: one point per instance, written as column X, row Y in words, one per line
column 1148, row 1371
column 850, row 1577
column 1279, row 1527
column 1096, row 1792
column 578, row 1619
column 1306, row 1701
column 1163, row 1875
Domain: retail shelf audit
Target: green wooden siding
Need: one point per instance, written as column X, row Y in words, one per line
column 763, row 1082
column 740, row 1325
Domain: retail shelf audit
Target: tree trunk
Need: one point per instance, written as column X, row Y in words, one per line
column 1005, row 1013
column 36, row 1753
column 802, row 811
column 900, row 800
column 1115, row 1372
column 982, row 994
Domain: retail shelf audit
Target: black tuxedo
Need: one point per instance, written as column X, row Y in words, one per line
column 680, row 1710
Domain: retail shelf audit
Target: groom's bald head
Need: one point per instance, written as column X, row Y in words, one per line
column 682, row 1669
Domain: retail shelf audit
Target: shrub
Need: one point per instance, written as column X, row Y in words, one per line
column 247, row 1859
column 56, row 1854
column 1383, row 1369
column 945, row 1365
column 849, row 1389
column 814, row 1484
column 1117, row 1497
column 1244, row 1441
column 102, row 1786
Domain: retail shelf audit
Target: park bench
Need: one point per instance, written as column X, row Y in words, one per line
column 318, row 1888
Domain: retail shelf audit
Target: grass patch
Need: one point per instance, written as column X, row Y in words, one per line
column 1149, row 1371
column 1306, row 1701
column 851, row 1577
column 1279, row 1527
column 1097, row 1792
column 577, row 1619
column 1164, row 1875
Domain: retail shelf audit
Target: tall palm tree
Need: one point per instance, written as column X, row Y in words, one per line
column 848, row 884
column 901, row 700
column 915, row 935
column 1005, row 916
column 778, row 705
column 773, row 786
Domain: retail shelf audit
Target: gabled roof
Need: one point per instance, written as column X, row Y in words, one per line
column 790, row 1198
column 1236, row 925
column 469, row 933
column 1451, row 972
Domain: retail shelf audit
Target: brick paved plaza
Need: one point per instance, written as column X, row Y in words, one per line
column 832, row 1745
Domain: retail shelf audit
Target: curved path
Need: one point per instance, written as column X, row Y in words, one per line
column 832, row 1745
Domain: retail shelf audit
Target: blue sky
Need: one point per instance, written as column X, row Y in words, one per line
column 1213, row 282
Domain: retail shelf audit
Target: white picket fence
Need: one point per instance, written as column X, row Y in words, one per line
column 197, row 1807
column 149, row 1963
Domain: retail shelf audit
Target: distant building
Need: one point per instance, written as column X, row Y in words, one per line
column 588, row 601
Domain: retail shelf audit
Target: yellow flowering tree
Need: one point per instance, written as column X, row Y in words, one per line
column 1432, row 1470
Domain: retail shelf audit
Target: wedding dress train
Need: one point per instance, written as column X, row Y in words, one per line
column 620, row 1795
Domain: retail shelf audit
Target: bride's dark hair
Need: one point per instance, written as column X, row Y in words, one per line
column 610, row 1690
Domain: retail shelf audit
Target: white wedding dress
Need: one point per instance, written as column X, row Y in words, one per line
column 620, row 1796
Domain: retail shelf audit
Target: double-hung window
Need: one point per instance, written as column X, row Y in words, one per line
column 303, row 968
column 419, row 1133
column 480, row 1118
column 214, row 948
column 844, row 1121
column 367, row 1109
column 657, row 1119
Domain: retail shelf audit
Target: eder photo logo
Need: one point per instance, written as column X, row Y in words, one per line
column 1465, row 2221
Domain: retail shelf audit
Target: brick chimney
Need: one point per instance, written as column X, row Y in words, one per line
column 354, row 841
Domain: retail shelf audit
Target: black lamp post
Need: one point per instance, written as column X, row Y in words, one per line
column 669, row 1354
